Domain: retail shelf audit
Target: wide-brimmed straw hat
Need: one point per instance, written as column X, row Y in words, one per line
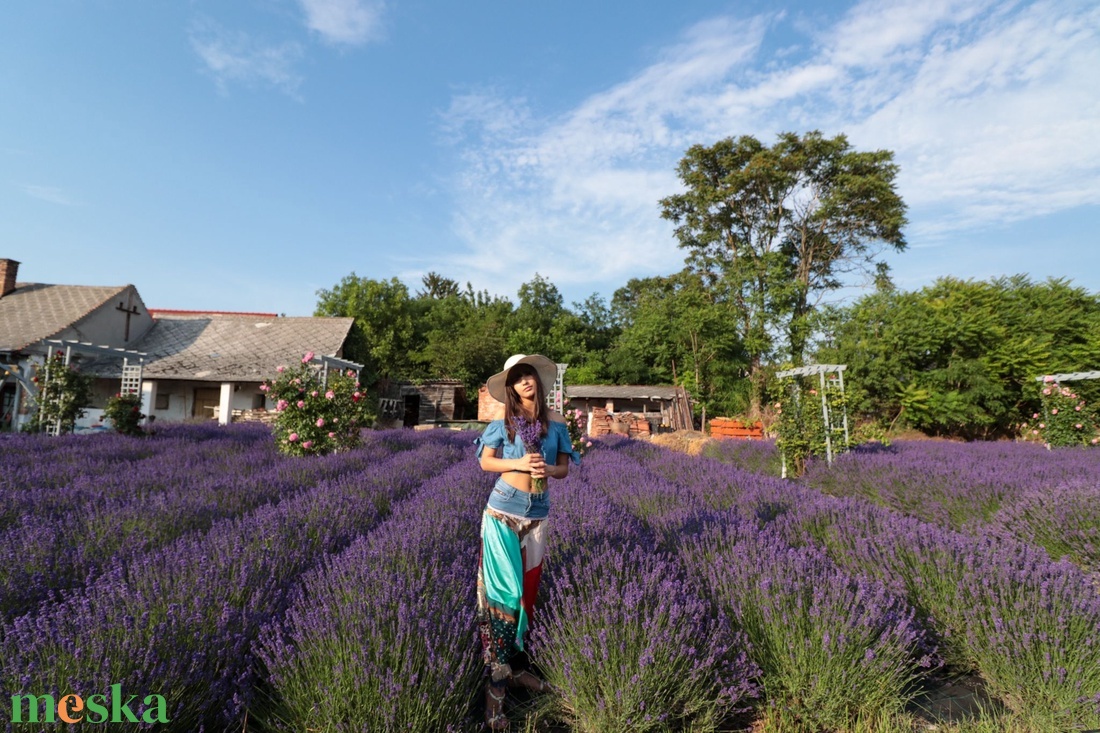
column 546, row 369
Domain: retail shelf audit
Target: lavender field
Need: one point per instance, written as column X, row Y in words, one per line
column 265, row 593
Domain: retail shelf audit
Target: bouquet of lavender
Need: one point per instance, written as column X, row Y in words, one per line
column 530, row 432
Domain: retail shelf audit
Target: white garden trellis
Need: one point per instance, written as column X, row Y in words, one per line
column 131, row 372
column 831, row 378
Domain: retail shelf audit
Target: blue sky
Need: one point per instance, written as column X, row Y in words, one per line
column 241, row 155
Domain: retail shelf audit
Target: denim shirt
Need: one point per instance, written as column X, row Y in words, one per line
column 554, row 442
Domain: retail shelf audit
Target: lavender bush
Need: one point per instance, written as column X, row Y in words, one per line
column 630, row 645
column 382, row 636
column 832, row 646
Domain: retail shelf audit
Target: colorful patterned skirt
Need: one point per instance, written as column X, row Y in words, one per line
column 512, row 552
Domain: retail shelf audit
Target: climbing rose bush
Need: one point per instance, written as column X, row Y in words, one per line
column 1064, row 418
column 315, row 418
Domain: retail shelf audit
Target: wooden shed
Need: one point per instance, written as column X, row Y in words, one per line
column 663, row 407
column 405, row 405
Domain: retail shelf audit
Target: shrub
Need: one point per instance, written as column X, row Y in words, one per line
column 124, row 412
column 315, row 418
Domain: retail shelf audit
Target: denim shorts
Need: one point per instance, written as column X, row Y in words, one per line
column 507, row 499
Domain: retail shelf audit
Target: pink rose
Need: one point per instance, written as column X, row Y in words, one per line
column 1034, row 432
column 280, row 369
column 329, row 395
column 335, row 419
column 313, row 393
column 1078, row 426
column 1095, row 441
column 320, row 422
column 1054, row 411
column 281, row 405
column 1077, row 409
column 264, row 388
column 292, row 437
column 1035, row 416
column 1048, row 379
column 332, row 435
column 1046, row 391
column 301, row 403
column 308, row 444
column 1042, row 425
column 308, row 357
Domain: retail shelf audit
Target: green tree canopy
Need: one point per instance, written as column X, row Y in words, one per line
column 960, row 357
column 384, row 335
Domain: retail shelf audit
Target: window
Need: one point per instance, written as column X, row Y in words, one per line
column 162, row 402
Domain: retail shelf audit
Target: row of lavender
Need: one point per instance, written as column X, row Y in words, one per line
column 679, row 591
column 73, row 506
column 1046, row 498
column 179, row 619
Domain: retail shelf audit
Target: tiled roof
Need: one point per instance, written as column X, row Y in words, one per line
column 35, row 311
column 231, row 348
column 619, row 391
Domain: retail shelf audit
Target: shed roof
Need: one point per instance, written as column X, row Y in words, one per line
column 620, row 391
column 231, row 348
column 36, row 311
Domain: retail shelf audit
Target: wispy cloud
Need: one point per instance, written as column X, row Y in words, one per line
column 348, row 22
column 52, row 194
column 233, row 57
column 989, row 107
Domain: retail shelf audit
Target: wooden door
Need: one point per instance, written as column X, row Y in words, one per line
column 206, row 398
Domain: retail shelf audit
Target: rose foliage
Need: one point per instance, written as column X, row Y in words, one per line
column 315, row 418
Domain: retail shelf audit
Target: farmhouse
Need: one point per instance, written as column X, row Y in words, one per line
column 195, row 364
column 210, row 364
column 33, row 313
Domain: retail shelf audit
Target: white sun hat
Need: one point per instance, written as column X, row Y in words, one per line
column 546, row 369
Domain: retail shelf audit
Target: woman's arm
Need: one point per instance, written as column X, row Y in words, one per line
column 561, row 468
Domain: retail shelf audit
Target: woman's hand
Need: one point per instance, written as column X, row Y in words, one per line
column 533, row 464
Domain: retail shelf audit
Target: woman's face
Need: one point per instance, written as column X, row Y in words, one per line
column 525, row 383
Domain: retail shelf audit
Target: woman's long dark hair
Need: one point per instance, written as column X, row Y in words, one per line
column 512, row 406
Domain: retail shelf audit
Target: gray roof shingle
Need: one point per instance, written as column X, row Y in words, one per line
column 35, row 311
column 230, row 348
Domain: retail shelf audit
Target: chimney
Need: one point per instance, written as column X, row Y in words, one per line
column 8, row 270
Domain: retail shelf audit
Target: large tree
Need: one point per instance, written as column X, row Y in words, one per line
column 774, row 228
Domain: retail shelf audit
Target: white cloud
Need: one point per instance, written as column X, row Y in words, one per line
column 236, row 57
column 52, row 194
column 351, row 22
column 990, row 108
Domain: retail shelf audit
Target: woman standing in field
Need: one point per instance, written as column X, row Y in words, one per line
column 530, row 445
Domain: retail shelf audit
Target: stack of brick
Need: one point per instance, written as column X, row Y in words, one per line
column 600, row 423
column 637, row 427
column 726, row 427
